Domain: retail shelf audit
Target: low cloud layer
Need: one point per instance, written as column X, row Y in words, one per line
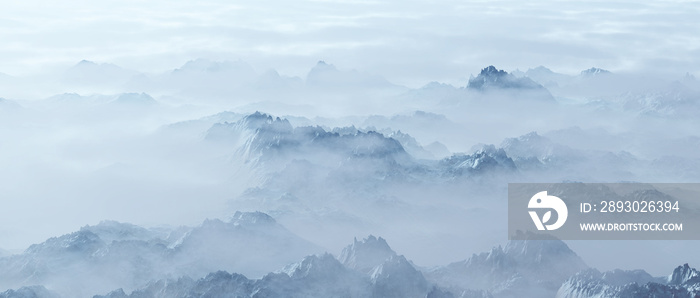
column 341, row 119
column 411, row 43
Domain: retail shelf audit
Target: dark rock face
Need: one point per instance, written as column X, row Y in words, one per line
column 493, row 78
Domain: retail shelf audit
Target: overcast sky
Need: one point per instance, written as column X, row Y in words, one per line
column 409, row 42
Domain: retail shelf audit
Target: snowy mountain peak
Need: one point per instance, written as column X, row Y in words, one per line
column 523, row 268
column 631, row 283
column 320, row 72
column 366, row 254
column 314, row 266
column 490, row 150
column 539, row 70
column 109, row 230
column 537, row 147
column 492, row 71
column 88, row 73
column 530, row 144
column 84, row 63
column 494, row 258
column 531, row 136
column 493, row 78
column 396, row 277
column 261, row 138
column 683, row 274
column 87, row 65
column 323, row 65
column 594, row 71
column 533, row 248
column 393, row 263
column 30, row 292
column 260, row 120
column 485, row 158
column 252, row 218
column 83, row 241
column 495, row 254
column 620, row 277
column 241, row 220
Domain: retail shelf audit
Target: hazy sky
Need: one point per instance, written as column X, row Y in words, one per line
column 409, row 42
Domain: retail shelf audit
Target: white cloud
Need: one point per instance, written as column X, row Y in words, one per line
column 375, row 36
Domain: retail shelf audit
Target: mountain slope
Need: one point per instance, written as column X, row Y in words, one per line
column 683, row 282
column 114, row 255
column 524, row 268
column 314, row 276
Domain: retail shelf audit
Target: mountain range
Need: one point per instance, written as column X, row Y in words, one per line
column 112, row 254
column 365, row 268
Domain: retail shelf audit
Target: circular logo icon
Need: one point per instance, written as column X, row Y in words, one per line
column 542, row 201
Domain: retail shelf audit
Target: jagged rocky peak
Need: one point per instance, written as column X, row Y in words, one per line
column 523, row 268
column 495, row 259
column 586, row 283
column 315, row 267
column 649, row 195
column 241, row 219
column 485, row 158
column 530, row 144
column 535, row 248
column 492, row 71
column 349, row 140
column 266, row 126
column 110, row 230
column 495, row 256
column 490, row 153
column 263, row 137
column 528, row 137
column 534, row 251
column 594, row 71
column 493, row 78
column 215, row 284
column 395, row 264
column 345, row 130
column 30, row 292
column 489, row 150
column 437, row 86
column 396, row 277
column 260, row 120
column 318, row 73
column 322, row 65
column 85, row 63
column 540, row 69
column 631, row 283
column 684, row 275
column 375, row 144
column 533, row 145
column 252, row 218
column 314, row 276
column 82, row 241
column 620, row 277
column 366, row 254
